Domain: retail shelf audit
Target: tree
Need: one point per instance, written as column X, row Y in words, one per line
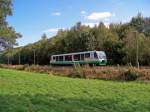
column 5, row 10
column 44, row 37
column 146, row 30
column 7, row 33
column 138, row 23
column 130, row 49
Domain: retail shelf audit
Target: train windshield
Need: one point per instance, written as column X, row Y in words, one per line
column 102, row 55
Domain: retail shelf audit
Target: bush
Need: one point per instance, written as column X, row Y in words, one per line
column 130, row 74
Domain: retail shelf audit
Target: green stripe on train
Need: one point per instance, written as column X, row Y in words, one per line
column 79, row 62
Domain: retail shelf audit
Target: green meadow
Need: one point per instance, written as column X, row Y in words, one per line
column 32, row 92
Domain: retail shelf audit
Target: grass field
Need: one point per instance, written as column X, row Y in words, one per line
column 31, row 92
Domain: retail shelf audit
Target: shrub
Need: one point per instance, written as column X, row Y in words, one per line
column 1, row 66
column 130, row 74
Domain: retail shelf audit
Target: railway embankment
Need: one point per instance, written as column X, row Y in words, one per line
column 128, row 73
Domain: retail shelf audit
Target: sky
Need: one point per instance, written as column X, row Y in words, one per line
column 33, row 18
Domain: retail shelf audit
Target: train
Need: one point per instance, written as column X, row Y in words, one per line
column 97, row 58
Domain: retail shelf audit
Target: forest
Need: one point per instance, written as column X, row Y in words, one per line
column 118, row 40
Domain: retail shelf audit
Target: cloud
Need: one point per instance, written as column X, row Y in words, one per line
column 83, row 12
column 56, row 14
column 53, row 30
column 99, row 15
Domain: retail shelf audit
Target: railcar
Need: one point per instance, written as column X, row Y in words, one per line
column 87, row 57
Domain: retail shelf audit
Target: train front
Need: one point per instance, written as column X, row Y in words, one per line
column 102, row 57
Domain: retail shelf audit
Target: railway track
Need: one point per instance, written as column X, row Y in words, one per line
column 101, row 67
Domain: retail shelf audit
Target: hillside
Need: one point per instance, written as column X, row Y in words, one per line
column 31, row 92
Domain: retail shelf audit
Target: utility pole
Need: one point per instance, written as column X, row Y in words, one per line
column 137, row 49
column 8, row 61
column 9, row 56
column 34, row 55
column 19, row 58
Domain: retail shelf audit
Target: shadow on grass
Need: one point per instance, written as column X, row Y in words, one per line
column 113, row 80
column 51, row 103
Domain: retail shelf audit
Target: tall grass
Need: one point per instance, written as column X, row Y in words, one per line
column 86, row 71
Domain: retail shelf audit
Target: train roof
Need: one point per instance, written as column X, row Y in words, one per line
column 77, row 53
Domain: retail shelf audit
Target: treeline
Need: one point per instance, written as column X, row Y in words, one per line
column 119, row 41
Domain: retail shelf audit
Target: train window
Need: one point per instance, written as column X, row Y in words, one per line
column 102, row 56
column 57, row 58
column 82, row 56
column 95, row 55
column 87, row 55
column 76, row 57
column 60, row 58
column 68, row 58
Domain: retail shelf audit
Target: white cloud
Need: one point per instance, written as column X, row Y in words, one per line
column 52, row 30
column 99, row 15
column 56, row 14
column 83, row 12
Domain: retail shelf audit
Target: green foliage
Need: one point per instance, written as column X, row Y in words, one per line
column 130, row 49
column 31, row 92
column 138, row 22
column 5, row 10
column 7, row 33
column 131, row 75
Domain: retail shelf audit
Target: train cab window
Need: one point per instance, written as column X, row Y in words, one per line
column 76, row 57
column 68, row 58
column 54, row 58
column 102, row 56
column 87, row 55
column 60, row 58
column 95, row 55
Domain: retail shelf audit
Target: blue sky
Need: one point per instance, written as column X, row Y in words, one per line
column 32, row 18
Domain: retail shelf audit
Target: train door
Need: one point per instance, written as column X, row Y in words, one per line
column 92, row 55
